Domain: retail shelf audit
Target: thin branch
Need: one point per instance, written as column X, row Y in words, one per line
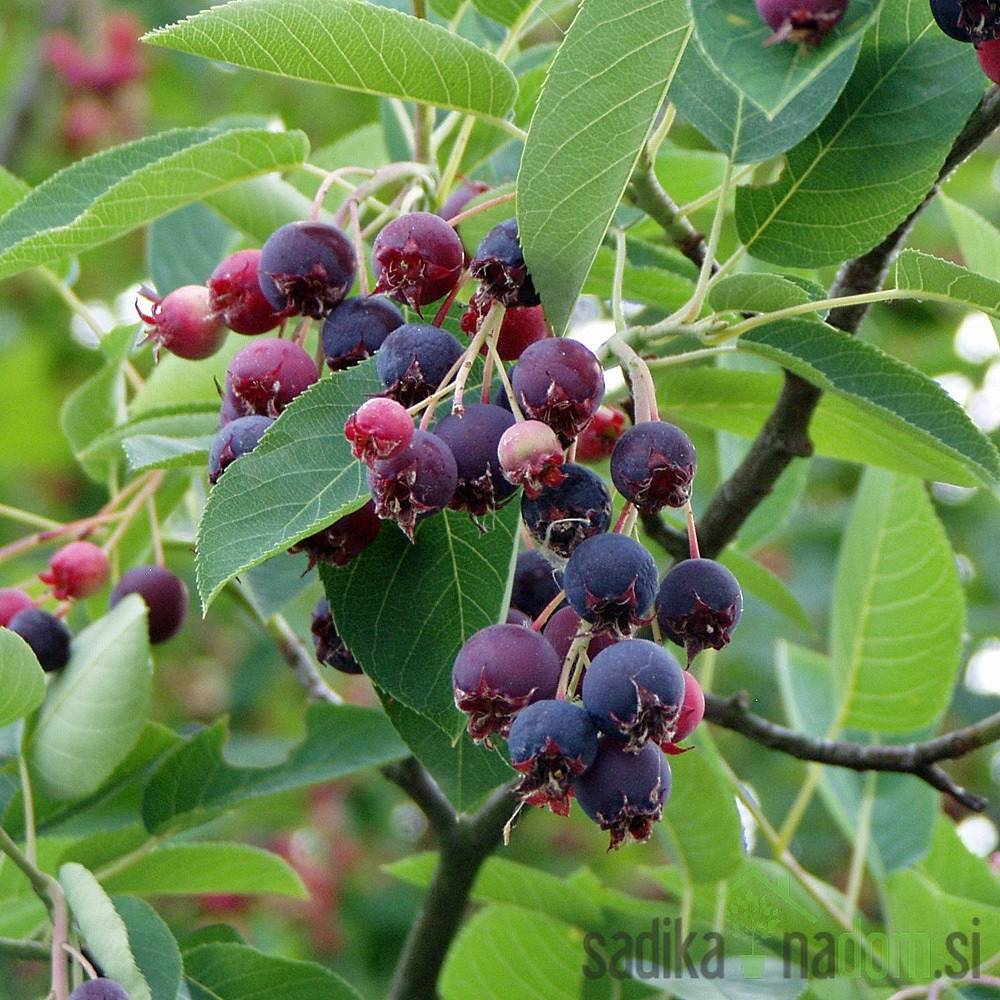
column 414, row 779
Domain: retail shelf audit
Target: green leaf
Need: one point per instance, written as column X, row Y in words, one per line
column 12, row 189
column 346, row 43
column 956, row 870
column 300, row 478
column 153, row 451
column 194, row 783
column 277, row 582
column 763, row 584
column 602, row 92
column 406, row 609
column 96, row 709
column 22, row 680
column 229, row 971
column 761, row 293
column 896, row 627
column 852, row 181
column 181, row 869
column 734, row 39
column 113, row 192
column 944, row 281
column 880, row 385
column 182, row 422
column 103, row 929
column 152, row 945
column 664, row 286
column 978, row 238
column 497, row 957
column 184, row 247
column 505, row 12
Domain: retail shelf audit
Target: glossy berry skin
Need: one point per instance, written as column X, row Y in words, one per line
column 356, row 328
column 564, row 626
column 238, row 437
column 266, row 375
column 499, row 268
column 521, row 326
column 12, row 601
column 653, row 466
column 235, row 296
column 414, row 360
column 803, row 22
column 597, row 440
column 331, row 650
column 417, row 258
column 473, row 438
column 610, row 582
column 535, row 583
column 306, row 268
column 184, row 323
column 79, row 569
column 988, row 54
column 530, row 456
column 341, row 541
column 500, row 670
column 698, row 605
column 560, row 382
column 48, row 637
column 416, row 483
column 165, row 594
column 560, row 517
column 551, row 744
column 692, row 712
column 624, row 792
column 378, row 428
column 974, row 21
column 99, row 989
column 634, row 691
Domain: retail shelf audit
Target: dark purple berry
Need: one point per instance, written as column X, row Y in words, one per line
column 331, row 650
column 560, row 517
column 414, row 484
column 473, row 437
column 564, row 626
column 79, row 569
column 610, row 581
column 306, row 268
column 624, row 792
column 378, row 428
column 48, row 636
column 235, row 295
column 184, row 322
column 698, row 605
column 653, row 465
column 974, row 21
column 551, row 743
column 165, row 595
column 356, row 328
column 266, row 375
column 417, row 259
column 535, row 583
column 500, row 269
column 414, row 360
column 803, row 22
column 341, row 541
column 634, row 691
column 530, row 455
column 500, row 670
column 559, row 382
column 455, row 203
column 12, row 600
column 516, row 617
column 99, row 989
column 229, row 410
column 237, row 438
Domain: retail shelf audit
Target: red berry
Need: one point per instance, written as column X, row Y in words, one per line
column 184, row 322
column 692, row 712
column 79, row 569
column 417, row 259
column 988, row 55
column 379, row 428
column 12, row 601
column 266, row 375
column 597, row 440
column 234, row 293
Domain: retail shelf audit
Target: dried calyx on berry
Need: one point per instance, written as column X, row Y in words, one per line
column 975, row 21
column 653, row 466
column 331, row 650
column 499, row 268
column 183, row 322
column 417, row 258
column 561, row 517
column 530, row 456
column 802, row 22
column 414, row 360
column 340, row 542
column 235, row 295
column 356, row 329
column 379, row 428
column 266, row 375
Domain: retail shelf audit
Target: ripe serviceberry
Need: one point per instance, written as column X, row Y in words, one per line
column 974, row 21
column 535, row 583
column 551, row 743
column 804, row 22
column 560, row 517
column 306, row 268
column 183, row 322
column 692, row 712
column 417, row 258
column 414, row 484
column 340, row 542
column 653, row 465
column 698, row 605
column 500, row 269
column 356, row 328
column 633, row 691
column 597, row 440
column 559, row 382
column 988, row 54
column 564, row 626
column 610, row 581
column 473, row 437
column 236, row 438
column 331, row 650
column 234, row 294
column 624, row 792
column 12, row 601
column 79, row 569
column 378, row 428
column 414, row 360
column 99, row 989
column 266, row 375
column 500, row 670
column 48, row 636
column 166, row 597
column 530, row 456
column 517, row 617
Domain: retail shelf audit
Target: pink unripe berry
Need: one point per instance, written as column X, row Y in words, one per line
column 379, row 428
column 692, row 712
column 530, row 456
column 988, row 54
column 12, row 602
column 235, row 295
column 184, row 322
column 79, row 569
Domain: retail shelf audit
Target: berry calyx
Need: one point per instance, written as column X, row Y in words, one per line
column 380, row 428
column 77, row 570
column 417, row 258
column 235, row 295
column 12, row 600
column 975, row 21
column 165, row 594
column 340, row 542
column 530, row 456
column 802, row 22
column 560, row 517
column 414, row 360
column 266, row 375
column 48, row 637
column 237, row 437
column 183, row 322
column 331, row 650
column 356, row 329
column 499, row 268
column 597, row 440
column 653, row 466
